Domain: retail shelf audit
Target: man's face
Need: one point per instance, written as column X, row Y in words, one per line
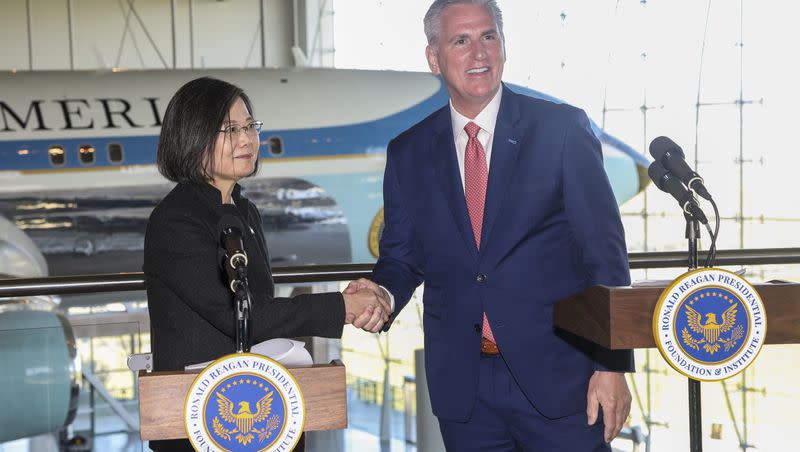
column 470, row 55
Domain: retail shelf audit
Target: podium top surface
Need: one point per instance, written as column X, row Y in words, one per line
column 622, row 317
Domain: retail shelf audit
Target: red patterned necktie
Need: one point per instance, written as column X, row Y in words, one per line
column 476, row 174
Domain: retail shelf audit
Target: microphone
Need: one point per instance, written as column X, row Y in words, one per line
column 668, row 183
column 672, row 158
column 231, row 228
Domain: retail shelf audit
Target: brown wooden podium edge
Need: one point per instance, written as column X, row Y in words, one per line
column 620, row 318
column 586, row 314
column 162, row 395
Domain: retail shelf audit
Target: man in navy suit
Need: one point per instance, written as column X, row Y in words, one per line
column 499, row 203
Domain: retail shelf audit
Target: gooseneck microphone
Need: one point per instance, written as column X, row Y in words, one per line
column 231, row 227
column 671, row 157
column 235, row 263
column 235, row 257
column 666, row 182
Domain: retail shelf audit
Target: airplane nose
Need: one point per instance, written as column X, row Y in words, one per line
column 644, row 178
column 626, row 168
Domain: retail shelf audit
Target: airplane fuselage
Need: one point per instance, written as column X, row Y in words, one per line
column 77, row 153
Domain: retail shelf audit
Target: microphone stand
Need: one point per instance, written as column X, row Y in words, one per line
column 241, row 305
column 692, row 235
column 695, row 413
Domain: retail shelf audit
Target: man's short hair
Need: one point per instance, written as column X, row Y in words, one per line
column 192, row 121
column 433, row 18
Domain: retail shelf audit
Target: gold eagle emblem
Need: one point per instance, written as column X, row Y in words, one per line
column 712, row 330
column 244, row 419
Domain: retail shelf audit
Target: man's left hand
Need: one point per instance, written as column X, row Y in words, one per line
column 609, row 390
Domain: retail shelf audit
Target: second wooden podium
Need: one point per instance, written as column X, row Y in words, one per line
column 622, row 317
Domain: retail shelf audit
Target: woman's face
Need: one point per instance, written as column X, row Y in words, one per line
column 235, row 151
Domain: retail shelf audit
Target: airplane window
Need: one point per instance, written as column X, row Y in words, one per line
column 56, row 154
column 86, row 154
column 114, row 152
column 275, row 146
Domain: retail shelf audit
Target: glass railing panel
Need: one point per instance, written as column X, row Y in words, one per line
column 106, row 335
column 366, row 358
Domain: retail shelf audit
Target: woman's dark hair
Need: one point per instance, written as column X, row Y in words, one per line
column 191, row 123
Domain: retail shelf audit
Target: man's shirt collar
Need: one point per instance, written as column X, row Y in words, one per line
column 486, row 119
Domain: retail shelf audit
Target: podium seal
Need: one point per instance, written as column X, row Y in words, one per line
column 375, row 232
column 244, row 402
column 709, row 324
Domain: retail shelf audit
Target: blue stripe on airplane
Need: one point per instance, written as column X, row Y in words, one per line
column 366, row 137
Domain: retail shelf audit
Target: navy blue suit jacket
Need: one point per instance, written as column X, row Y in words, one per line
column 551, row 228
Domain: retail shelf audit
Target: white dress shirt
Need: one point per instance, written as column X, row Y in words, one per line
column 486, row 120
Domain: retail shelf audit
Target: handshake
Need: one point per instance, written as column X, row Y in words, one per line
column 366, row 305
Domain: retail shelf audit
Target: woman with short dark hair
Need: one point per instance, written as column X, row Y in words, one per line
column 209, row 141
column 190, row 128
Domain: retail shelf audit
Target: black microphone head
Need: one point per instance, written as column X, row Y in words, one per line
column 229, row 218
column 657, row 172
column 227, row 222
column 230, row 227
column 667, row 182
column 661, row 145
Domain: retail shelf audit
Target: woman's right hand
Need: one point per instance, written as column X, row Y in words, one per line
column 364, row 309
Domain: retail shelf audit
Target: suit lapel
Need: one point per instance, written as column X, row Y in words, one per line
column 449, row 179
column 505, row 149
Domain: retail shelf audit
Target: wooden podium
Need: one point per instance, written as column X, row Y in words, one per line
column 622, row 317
column 162, row 396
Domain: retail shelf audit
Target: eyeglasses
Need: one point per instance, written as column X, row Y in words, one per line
column 251, row 129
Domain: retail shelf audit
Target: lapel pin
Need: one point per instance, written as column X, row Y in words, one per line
column 512, row 141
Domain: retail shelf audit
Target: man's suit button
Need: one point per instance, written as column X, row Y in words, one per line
column 481, row 278
column 477, row 327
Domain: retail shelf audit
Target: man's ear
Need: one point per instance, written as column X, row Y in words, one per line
column 433, row 60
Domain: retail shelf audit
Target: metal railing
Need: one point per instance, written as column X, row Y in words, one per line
column 114, row 282
column 120, row 282
column 676, row 259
